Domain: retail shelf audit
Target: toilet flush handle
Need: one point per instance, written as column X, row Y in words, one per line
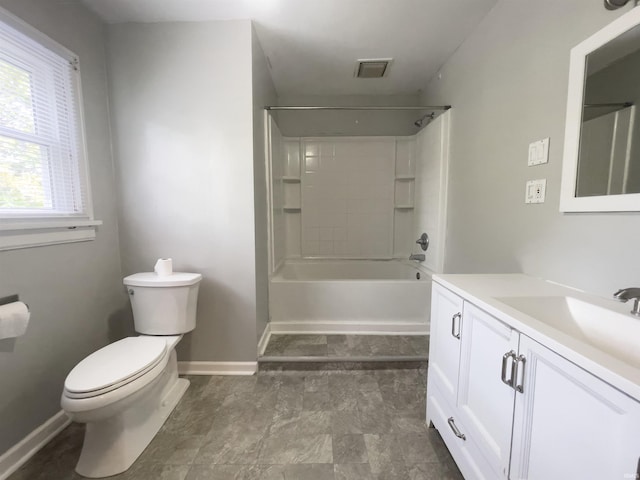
column 131, row 292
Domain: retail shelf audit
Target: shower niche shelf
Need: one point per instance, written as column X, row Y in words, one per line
column 403, row 207
column 404, row 193
column 290, row 208
column 290, row 179
column 405, row 177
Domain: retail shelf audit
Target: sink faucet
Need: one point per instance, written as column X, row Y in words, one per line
column 626, row 294
column 417, row 256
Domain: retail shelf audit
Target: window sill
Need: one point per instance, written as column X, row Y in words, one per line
column 15, row 235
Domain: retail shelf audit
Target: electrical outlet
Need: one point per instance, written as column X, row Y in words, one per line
column 535, row 191
column 538, row 152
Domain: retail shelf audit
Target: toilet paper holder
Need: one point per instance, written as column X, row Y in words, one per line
column 11, row 299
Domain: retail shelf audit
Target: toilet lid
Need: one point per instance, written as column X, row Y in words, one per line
column 116, row 363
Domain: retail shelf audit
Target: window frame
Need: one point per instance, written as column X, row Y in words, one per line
column 33, row 228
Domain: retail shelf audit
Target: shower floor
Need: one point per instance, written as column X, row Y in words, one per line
column 316, row 352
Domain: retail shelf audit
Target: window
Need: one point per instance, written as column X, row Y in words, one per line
column 44, row 195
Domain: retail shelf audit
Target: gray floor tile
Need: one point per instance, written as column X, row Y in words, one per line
column 375, row 421
column 237, row 472
column 433, row 471
column 230, row 447
column 282, row 426
column 416, row 449
column 161, row 472
column 385, row 455
column 309, row 472
column 294, row 345
column 318, row 382
column 343, row 398
column 345, row 421
column 217, row 472
column 316, row 401
column 403, row 424
column 349, row 449
column 283, row 449
column 304, row 423
column 352, row 471
column 172, row 449
column 420, row 344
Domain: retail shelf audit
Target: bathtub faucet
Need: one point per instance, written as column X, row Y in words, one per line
column 419, row 257
column 627, row 294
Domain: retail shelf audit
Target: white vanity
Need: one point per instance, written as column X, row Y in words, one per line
column 531, row 380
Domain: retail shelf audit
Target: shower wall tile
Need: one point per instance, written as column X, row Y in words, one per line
column 347, row 197
column 428, row 195
column 292, row 229
column 278, row 170
column 405, row 157
column 292, row 158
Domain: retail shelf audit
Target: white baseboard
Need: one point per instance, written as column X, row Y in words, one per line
column 349, row 328
column 217, row 368
column 264, row 339
column 20, row 453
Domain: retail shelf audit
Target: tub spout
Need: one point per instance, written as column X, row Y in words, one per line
column 418, row 257
column 627, row 294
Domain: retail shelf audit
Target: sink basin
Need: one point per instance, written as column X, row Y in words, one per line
column 614, row 333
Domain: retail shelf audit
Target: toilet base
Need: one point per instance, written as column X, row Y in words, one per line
column 111, row 446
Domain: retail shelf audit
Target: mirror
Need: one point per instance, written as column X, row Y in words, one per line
column 601, row 164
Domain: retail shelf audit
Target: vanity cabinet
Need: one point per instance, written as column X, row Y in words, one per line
column 570, row 424
column 444, row 360
column 509, row 407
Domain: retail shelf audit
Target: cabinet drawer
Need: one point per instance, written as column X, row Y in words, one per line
column 465, row 452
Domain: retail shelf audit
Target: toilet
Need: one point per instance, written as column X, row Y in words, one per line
column 125, row 391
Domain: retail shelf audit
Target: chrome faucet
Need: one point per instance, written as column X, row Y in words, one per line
column 627, row 294
column 417, row 256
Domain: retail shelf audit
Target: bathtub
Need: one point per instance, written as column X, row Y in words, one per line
column 350, row 296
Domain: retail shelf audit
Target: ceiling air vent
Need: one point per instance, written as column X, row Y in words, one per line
column 373, row 67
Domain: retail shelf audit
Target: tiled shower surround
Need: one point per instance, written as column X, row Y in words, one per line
column 347, row 197
column 342, row 196
column 358, row 197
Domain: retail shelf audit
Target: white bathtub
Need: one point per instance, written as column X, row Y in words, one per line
column 350, row 296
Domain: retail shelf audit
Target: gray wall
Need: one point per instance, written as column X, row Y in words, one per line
column 349, row 122
column 508, row 86
column 264, row 93
column 74, row 290
column 181, row 102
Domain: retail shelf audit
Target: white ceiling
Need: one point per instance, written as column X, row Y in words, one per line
column 313, row 44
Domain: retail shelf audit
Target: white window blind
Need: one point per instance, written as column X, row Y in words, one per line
column 44, row 195
column 42, row 165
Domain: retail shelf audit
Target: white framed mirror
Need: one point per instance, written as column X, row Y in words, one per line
column 601, row 161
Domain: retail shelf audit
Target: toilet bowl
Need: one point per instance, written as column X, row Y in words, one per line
column 125, row 391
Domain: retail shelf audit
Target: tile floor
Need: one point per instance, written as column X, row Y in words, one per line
column 282, row 426
column 347, row 345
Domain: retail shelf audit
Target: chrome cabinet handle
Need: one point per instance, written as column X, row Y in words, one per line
column 455, row 430
column 453, row 325
column 505, row 360
column 518, row 386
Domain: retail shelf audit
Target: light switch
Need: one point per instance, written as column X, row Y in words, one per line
column 538, row 152
column 535, row 191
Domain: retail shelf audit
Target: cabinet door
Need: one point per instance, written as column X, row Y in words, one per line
column 444, row 342
column 485, row 398
column 570, row 424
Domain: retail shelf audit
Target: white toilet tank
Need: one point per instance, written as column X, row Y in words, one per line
column 163, row 305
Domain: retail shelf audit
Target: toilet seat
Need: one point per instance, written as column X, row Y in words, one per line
column 114, row 366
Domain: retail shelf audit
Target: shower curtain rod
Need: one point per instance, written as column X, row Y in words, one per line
column 427, row 107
